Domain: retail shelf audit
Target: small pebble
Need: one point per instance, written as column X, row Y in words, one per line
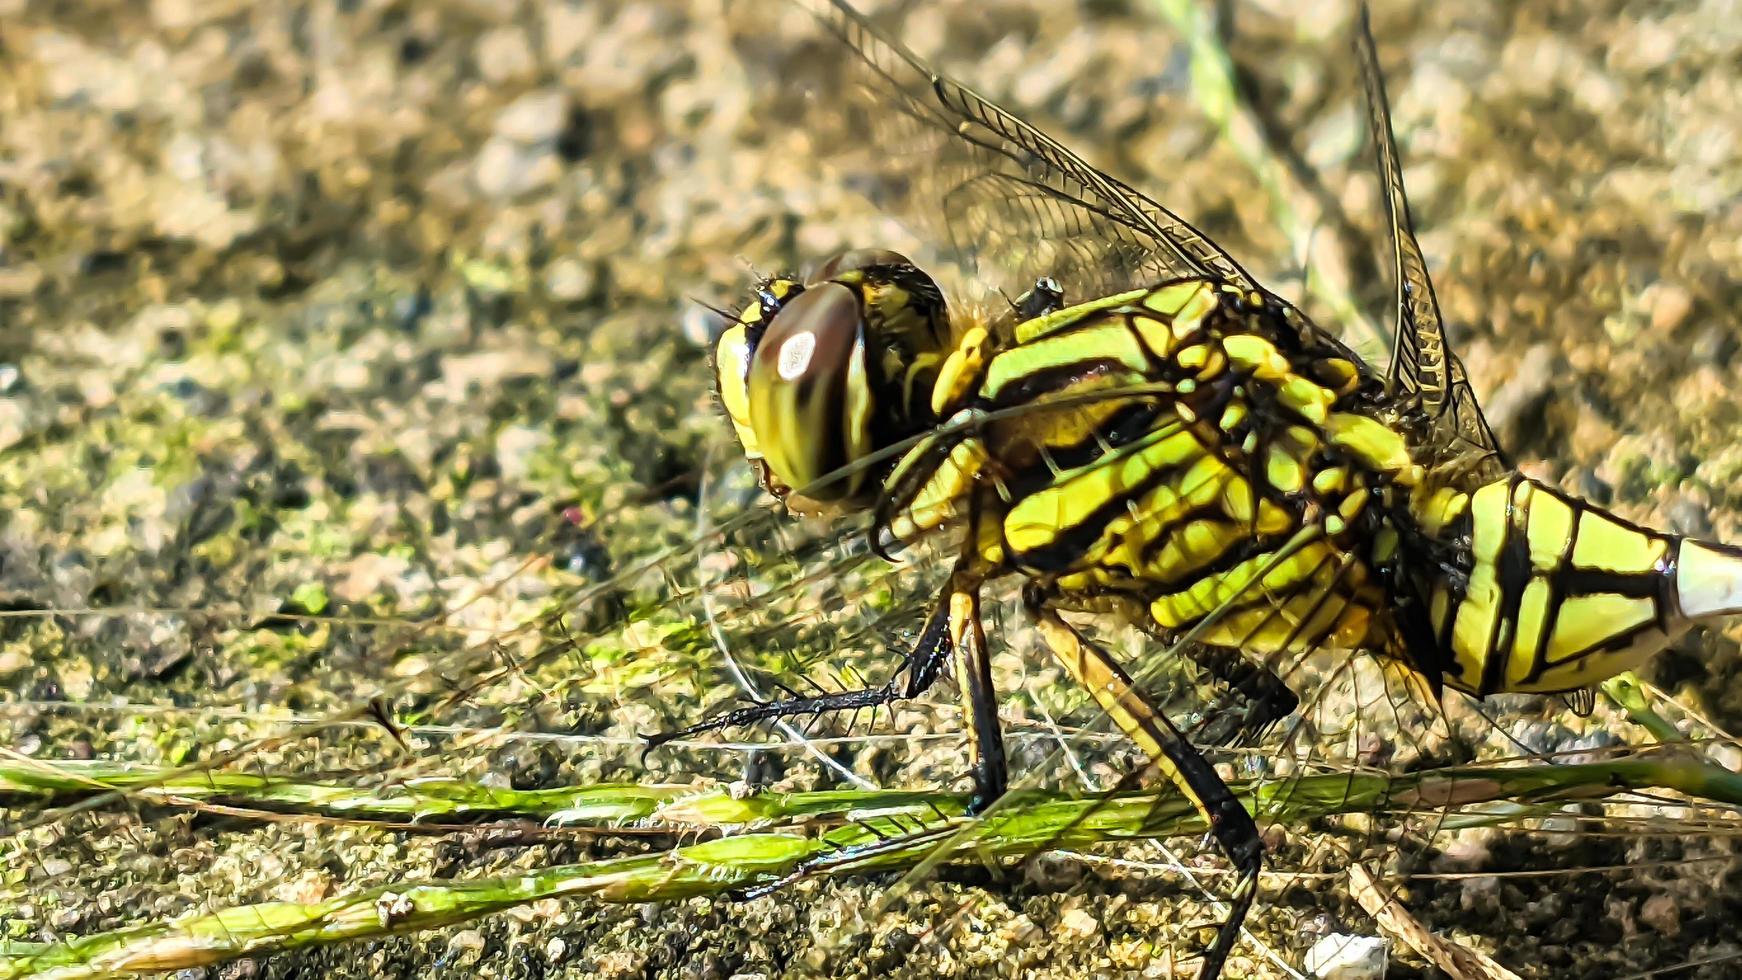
column 504, row 55
column 1079, row 923
column 1662, row 914
column 1346, row 957
column 467, row 943
column 536, row 117
column 569, row 280
column 1668, row 304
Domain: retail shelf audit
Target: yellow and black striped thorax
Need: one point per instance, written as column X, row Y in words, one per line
column 1171, row 444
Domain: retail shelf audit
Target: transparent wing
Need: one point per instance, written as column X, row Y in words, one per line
column 1009, row 202
column 1422, row 363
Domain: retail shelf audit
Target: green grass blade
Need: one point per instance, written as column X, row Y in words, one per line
column 862, row 832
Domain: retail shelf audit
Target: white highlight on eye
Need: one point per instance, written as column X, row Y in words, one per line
column 794, row 357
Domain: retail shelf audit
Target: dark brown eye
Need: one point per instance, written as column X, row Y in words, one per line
column 855, row 258
column 810, row 403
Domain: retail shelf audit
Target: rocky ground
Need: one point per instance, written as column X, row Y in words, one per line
column 319, row 319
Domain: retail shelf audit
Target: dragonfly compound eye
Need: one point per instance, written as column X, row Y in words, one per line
column 809, row 397
column 821, row 373
column 852, row 260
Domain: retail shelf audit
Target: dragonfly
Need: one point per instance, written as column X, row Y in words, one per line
column 1146, row 431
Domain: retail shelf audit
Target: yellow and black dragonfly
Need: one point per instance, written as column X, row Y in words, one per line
column 1145, row 431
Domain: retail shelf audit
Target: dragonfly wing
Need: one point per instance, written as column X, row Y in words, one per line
column 1011, row 203
column 1422, row 362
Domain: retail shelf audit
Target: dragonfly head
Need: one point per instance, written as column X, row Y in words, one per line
column 824, row 370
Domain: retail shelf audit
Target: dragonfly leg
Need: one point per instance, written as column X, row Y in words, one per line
column 1172, row 755
column 1256, row 696
column 979, row 697
column 920, row 668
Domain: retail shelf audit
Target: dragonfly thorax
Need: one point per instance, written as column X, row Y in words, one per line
column 1176, row 446
column 824, row 370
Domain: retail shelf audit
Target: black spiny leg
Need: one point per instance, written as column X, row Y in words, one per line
column 979, row 698
column 955, row 624
column 921, row 665
column 1171, row 754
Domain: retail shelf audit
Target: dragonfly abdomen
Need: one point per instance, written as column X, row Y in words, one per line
column 1560, row 594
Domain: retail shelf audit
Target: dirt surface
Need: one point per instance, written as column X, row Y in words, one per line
column 318, row 320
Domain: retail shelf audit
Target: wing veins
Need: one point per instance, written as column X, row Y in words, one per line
column 1128, row 206
column 1116, row 237
column 1422, row 361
